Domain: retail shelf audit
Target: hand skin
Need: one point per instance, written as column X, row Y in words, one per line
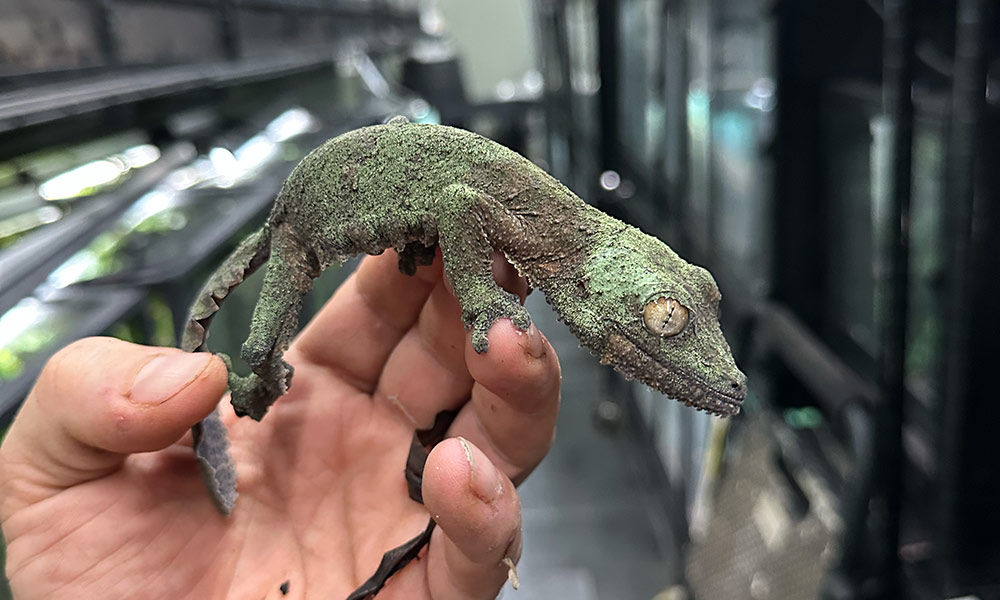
column 100, row 495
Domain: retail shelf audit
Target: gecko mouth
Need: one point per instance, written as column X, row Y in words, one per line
column 629, row 359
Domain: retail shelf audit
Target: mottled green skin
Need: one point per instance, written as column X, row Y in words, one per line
column 411, row 186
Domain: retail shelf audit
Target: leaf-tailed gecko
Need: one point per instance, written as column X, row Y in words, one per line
column 626, row 295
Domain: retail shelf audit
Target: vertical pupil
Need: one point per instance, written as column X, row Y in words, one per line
column 665, row 316
column 670, row 312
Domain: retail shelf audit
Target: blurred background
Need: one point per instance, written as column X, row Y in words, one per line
column 830, row 162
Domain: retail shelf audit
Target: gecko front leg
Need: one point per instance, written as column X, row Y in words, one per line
column 465, row 218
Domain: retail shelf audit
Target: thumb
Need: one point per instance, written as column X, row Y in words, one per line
column 96, row 401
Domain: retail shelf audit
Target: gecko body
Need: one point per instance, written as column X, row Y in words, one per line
column 626, row 295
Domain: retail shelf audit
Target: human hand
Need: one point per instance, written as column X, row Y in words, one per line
column 100, row 494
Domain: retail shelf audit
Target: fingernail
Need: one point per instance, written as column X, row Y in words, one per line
column 534, row 343
column 484, row 480
column 165, row 375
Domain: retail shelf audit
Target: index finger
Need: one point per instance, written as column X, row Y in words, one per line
column 512, row 414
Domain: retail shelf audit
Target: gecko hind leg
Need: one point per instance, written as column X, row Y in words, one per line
column 275, row 320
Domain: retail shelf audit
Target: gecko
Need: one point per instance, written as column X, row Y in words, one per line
column 627, row 296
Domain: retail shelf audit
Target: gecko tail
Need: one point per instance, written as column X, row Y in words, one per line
column 217, row 467
column 211, row 445
column 247, row 258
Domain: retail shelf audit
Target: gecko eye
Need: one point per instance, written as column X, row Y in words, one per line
column 665, row 316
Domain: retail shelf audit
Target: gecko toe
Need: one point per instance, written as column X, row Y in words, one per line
column 485, row 320
column 480, row 342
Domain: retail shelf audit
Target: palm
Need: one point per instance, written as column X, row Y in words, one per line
column 141, row 525
column 322, row 492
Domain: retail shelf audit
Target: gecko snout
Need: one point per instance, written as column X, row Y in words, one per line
column 738, row 385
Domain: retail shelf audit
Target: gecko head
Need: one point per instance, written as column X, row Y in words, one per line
column 654, row 317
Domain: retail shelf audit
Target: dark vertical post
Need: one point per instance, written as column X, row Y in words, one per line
column 960, row 393
column 565, row 95
column 714, row 11
column 800, row 199
column 229, row 28
column 658, row 86
column 676, row 83
column 547, row 62
column 607, row 61
column 103, row 19
column 893, row 254
column 554, row 52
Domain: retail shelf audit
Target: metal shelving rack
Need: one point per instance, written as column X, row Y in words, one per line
column 55, row 105
column 896, row 446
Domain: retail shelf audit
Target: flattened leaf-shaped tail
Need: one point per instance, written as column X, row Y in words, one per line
column 247, row 258
column 211, row 445
column 218, row 470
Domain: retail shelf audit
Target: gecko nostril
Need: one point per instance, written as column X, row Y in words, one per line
column 735, row 385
